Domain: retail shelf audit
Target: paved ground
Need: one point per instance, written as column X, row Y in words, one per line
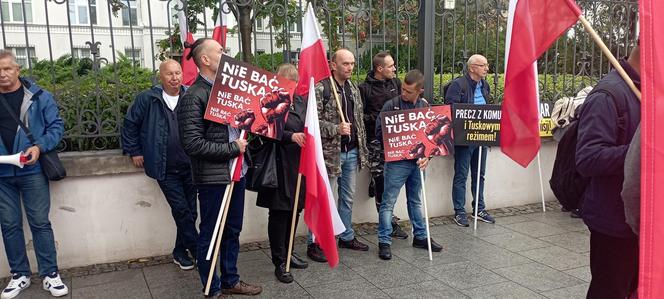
column 532, row 255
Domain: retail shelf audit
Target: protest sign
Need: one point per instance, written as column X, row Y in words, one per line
column 417, row 133
column 546, row 124
column 249, row 98
column 476, row 124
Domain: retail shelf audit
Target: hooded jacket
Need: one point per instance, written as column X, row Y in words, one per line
column 375, row 93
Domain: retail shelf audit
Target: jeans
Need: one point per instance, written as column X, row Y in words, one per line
column 180, row 194
column 396, row 175
column 345, row 185
column 33, row 192
column 209, row 197
column 464, row 156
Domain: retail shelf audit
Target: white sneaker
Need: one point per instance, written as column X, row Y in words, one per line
column 54, row 284
column 15, row 286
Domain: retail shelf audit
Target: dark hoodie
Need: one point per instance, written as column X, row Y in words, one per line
column 374, row 95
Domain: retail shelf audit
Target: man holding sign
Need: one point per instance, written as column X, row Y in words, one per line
column 211, row 146
column 404, row 172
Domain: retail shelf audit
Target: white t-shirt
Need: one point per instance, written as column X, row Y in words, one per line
column 171, row 101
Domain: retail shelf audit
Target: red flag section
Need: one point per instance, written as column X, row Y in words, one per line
column 237, row 162
column 189, row 69
column 320, row 213
column 533, row 25
column 651, row 270
column 313, row 60
column 221, row 26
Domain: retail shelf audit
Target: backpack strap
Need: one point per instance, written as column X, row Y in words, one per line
column 621, row 108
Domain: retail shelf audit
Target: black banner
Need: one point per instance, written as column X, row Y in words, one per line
column 476, row 124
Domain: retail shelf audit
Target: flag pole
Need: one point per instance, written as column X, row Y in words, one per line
column 539, row 166
column 333, row 83
column 610, row 56
column 293, row 221
column 218, row 242
column 426, row 214
column 477, row 187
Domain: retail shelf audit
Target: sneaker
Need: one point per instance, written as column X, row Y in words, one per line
column 282, row 275
column 243, row 288
column 315, row 253
column 184, row 262
column 353, row 244
column 422, row 243
column 384, row 251
column 461, row 219
column 17, row 284
column 53, row 283
column 484, row 216
column 397, row 232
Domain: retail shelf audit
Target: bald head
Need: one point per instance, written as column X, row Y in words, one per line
column 170, row 75
column 478, row 67
column 342, row 63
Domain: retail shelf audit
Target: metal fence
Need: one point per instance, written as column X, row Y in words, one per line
column 96, row 55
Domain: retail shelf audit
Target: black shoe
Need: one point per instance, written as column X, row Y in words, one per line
column 422, row 243
column 282, row 275
column 315, row 253
column 296, row 262
column 384, row 251
column 353, row 244
column 397, row 232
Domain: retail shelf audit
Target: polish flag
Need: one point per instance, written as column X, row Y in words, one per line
column 320, row 212
column 651, row 269
column 532, row 26
column 189, row 69
column 237, row 162
column 313, row 60
column 221, row 26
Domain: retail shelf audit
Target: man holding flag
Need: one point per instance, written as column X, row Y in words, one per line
column 211, row 146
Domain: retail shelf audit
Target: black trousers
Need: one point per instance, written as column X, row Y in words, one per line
column 278, row 231
column 614, row 265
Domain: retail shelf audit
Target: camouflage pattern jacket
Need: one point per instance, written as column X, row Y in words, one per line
column 329, row 119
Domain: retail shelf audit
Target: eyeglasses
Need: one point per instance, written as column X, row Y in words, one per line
column 482, row 65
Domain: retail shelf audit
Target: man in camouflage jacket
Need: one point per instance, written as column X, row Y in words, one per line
column 344, row 143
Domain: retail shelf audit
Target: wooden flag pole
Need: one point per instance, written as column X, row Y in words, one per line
column 218, row 241
column 293, row 221
column 333, row 83
column 477, row 188
column 609, row 55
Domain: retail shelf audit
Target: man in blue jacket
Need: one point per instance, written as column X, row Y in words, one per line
column 150, row 136
column 27, row 186
column 607, row 122
column 471, row 88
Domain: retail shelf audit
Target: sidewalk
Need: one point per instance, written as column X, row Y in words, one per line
column 526, row 255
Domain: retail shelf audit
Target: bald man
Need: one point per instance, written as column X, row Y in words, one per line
column 471, row 88
column 344, row 143
column 150, row 137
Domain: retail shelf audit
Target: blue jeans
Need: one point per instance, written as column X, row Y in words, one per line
column 396, row 175
column 33, row 192
column 345, row 185
column 463, row 157
column 180, row 194
column 209, row 197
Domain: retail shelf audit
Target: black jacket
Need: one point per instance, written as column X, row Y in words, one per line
column 600, row 152
column 374, row 94
column 457, row 94
column 206, row 142
column 288, row 163
column 145, row 131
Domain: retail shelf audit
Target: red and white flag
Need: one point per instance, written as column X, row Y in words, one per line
column 189, row 69
column 237, row 162
column 313, row 60
column 533, row 25
column 320, row 211
column 221, row 26
column 651, row 269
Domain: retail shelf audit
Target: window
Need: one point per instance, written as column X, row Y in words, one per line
column 21, row 54
column 295, row 27
column 12, row 11
column 82, row 53
column 135, row 55
column 130, row 13
column 259, row 24
column 83, row 12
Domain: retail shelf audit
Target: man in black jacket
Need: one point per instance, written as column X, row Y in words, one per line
column 211, row 146
column 150, row 136
column 380, row 86
column 607, row 122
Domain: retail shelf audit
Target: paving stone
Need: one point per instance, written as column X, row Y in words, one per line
column 320, row 273
column 356, row 289
column 575, row 292
column 538, row 277
column 502, row 290
column 256, row 271
column 557, row 257
column 536, row 229
column 120, row 284
column 392, row 273
column 483, row 229
column 486, row 254
column 512, row 219
column 276, row 289
column 169, row 281
column 424, row 290
column 582, row 273
column 515, row 241
column 464, row 275
column 574, row 241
